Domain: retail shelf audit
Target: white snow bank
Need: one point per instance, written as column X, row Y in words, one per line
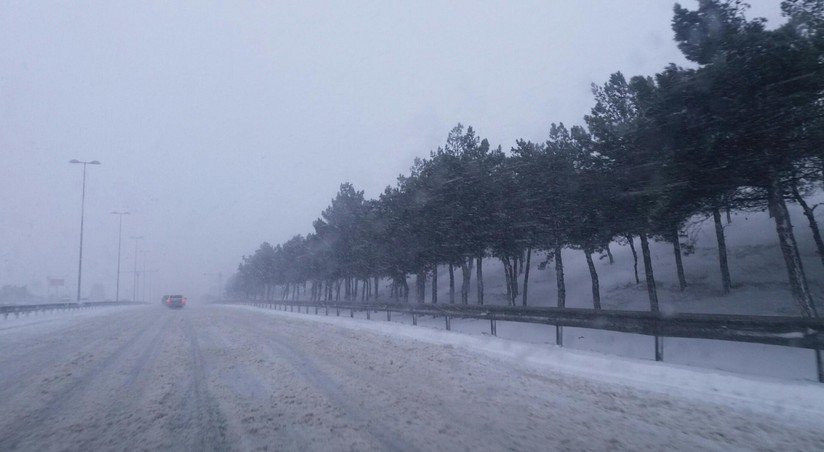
column 802, row 401
column 38, row 322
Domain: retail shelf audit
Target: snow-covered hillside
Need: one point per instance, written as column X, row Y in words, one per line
column 759, row 276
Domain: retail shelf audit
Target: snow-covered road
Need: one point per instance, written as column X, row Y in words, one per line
column 233, row 378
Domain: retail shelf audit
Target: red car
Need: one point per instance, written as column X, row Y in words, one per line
column 174, row 301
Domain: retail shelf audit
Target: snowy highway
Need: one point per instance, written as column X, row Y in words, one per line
column 234, row 378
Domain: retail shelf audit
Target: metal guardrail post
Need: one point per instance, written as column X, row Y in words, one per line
column 493, row 330
column 819, row 364
column 352, row 313
column 559, row 335
column 414, row 319
column 388, row 315
column 368, row 314
column 448, row 325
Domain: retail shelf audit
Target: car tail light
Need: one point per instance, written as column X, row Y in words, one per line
column 182, row 301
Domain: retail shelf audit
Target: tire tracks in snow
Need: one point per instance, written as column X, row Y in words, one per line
column 66, row 381
column 334, row 391
column 200, row 413
column 277, row 398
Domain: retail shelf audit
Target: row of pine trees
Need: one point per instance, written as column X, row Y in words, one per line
column 740, row 130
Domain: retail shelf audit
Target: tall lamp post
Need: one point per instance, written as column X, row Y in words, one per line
column 134, row 287
column 82, row 209
column 119, row 241
column 145, row 273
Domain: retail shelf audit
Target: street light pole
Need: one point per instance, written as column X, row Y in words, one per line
column 82, row 210
column 134, row 286
column 145, row 273
column 119, row 242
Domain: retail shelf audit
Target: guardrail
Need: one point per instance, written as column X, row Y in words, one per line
column 27, row 309
column 798, row 332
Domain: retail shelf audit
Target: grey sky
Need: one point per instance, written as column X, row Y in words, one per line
column 224, row 124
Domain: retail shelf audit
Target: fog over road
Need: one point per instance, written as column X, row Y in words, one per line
column 230, row 378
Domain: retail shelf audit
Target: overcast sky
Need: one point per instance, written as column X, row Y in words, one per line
column 221, row 125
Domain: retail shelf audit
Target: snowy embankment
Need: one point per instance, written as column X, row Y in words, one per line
column 759, row 288
column 798, row 400
column 32, row 323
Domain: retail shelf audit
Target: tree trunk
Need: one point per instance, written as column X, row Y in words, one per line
column 651, row 290
column 679, row 263
column 515, row 289
column 435, row 284
column 420, row 283
column 726, row 280
column 559, row 277
column 376, row 287
column 508, row 279
column 596, row 290
column 789, row 248
column 466, row 273
column 405, row 289
column 451, row 284
column 609, row 253
column 516, row 266
column 634, row 257
column 479, row 274
column 810, row 214
column 510, row 271
column 526, row 273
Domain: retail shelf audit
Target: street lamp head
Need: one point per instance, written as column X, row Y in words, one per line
column 120, row 213
column 75, row 161
column 94, row 162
